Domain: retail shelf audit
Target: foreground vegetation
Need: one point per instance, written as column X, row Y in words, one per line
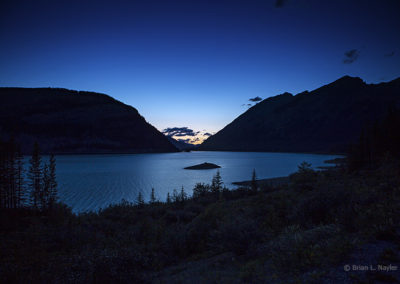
column 305, row 230
column 298, row 231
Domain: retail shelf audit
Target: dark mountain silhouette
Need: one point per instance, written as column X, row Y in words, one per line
column 66, row 121
column 324, row 120
column 181, row 145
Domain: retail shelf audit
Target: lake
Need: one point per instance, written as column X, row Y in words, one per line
column 90, row 182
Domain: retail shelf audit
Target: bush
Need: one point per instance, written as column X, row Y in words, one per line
column 296, row 250
column 236, row 235
column 201, row 190
column 304, row 178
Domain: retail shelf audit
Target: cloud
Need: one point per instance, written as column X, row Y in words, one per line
column 207, row 134
column 179, row 131
column 256, row 99
column 351, row 56
column 390, row 54
column 280, row 3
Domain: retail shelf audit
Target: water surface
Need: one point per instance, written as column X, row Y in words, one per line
column 90, row 182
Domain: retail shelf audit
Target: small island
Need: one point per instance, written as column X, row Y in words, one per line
column 203, row 166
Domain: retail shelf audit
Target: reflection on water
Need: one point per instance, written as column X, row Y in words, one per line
column 90, row 182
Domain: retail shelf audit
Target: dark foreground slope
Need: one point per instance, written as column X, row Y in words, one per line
column 301, row 232
column 66, row 121
column 324, row 120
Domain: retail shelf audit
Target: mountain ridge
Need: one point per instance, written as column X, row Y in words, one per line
column 69, row 121
column 181, row 145
column 324, row 120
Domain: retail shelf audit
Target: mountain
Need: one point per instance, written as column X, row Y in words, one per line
column 66, row 121
column 324, row 120
column 181, row 145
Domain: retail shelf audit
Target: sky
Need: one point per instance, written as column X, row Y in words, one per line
column 191, row 67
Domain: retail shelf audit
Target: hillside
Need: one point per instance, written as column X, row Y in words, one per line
column 66, row 121
column 324, row 120
column 302, row 231
column 181, row 145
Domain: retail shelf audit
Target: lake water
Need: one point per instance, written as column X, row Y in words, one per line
column 90, row 182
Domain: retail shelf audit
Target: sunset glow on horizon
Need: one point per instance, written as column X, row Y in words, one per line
column 196, row 64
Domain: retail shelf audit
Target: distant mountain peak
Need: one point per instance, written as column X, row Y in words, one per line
column 286, row 94
column 278, row 97
column 326, row 119
column 348, row 80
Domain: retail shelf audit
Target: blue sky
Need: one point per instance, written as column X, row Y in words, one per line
column 196, row 63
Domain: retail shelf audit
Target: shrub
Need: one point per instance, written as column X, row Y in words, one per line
column 304, row 178
column 201, row 190
column 236, row 235
column 296, row 249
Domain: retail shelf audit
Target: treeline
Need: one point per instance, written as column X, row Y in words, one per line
column 35, row 188
column 216, row 191
column 377, row 142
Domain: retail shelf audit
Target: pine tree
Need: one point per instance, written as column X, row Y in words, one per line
column 20, row 189
column 200, row 189
column 6, row 182
column 182, row 195
column 8, row 179
column 140, row 200
column 3, row 175
column 35, row 176
column 168, row 198
column 175, row 196
column 153, row 197
column 45, row 192
column 52, row 181
column 216, row 183
column 254, row 185
column 11, row 175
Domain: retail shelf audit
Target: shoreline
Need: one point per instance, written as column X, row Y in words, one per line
column 276, row 181
column 343, row 154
